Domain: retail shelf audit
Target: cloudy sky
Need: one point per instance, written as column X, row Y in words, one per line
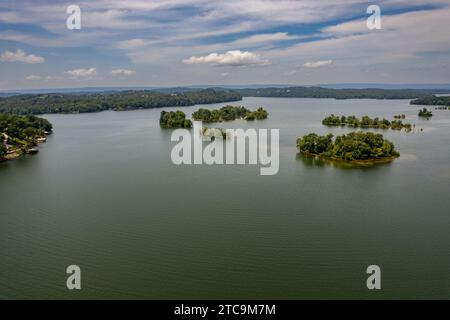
column 188, row 42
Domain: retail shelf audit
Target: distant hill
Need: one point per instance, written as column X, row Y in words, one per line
column 175, row 89
column 320, row 92
column 433, row 88
column 415, row 86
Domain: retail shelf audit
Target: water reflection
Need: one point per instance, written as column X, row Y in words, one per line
column 316, row 161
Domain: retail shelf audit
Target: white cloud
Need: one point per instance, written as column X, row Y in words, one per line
column 404, row 39
column 157, row 33
column 82, row 73
column 33, row 77
column 317, row 64
column 234, row 58
column 123, row 72
column 20, row 56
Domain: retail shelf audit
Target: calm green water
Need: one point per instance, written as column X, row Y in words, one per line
column 103, row 194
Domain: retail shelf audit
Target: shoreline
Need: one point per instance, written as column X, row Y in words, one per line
column 352, row 163
column 17, row 152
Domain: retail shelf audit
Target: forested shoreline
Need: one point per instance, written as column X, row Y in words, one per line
column 117, row 101
column 432, row 101
column 20, row 134
column 178, row 97
column 320, row 92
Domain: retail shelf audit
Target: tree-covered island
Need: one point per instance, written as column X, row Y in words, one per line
column 174, row 119
column 359, row 148
column 228, row 113
column 366, row 122
column 21, row 134
column 425, row 113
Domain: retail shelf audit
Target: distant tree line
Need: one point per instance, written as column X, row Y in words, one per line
column 353, row 146
column 319, row 92
column 122, row 100
column 431, row 100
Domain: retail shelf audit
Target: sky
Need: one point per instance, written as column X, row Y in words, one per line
column 220, row 42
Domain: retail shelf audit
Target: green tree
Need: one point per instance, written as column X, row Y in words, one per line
column 175, row 119
column 353, row 146
column 3, row 149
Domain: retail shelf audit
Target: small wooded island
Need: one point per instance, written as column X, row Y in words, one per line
column 177, row 119
column 174, row 119
column 228, row 113
column 356, row 148
column 21, row 134
column 366, row 122
column 425, row 113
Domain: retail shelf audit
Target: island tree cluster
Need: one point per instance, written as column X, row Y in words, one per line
column 355, row 146
column 228, row 113
column 366, row 122
column 20, row 133
column 174, row 119
column 425, row 113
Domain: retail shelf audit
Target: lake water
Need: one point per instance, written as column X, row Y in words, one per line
column 103, row 194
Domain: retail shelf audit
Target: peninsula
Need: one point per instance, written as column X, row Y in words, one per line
column 21, row 134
